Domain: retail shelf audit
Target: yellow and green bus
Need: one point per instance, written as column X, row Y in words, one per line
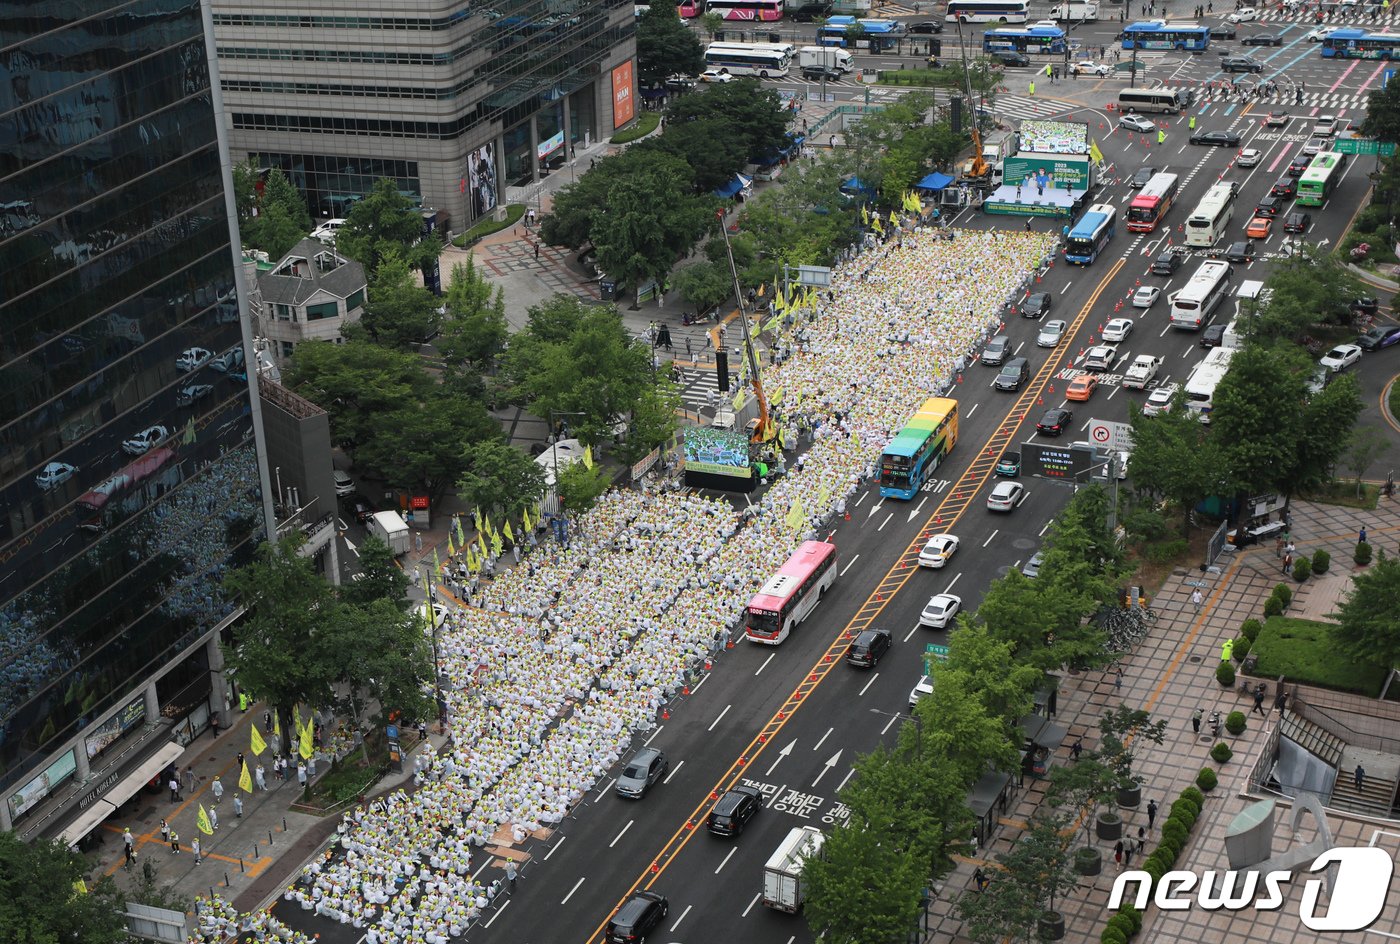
column 918, row 448
column 1321, row 178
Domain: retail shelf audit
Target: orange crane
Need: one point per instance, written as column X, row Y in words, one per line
column 764, row 429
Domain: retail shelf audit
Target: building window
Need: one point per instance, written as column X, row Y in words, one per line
column 356, row 300
column 326, row 310
column 284, row 312
column 287, row 348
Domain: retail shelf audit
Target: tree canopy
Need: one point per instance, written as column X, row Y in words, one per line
column 272, row 214
column 383, row 222
column 1175, row 458
column 399, row 312
column 665, row 46
column 40, row 902
column 1368, row 626
column 474, row 329
column 1306, row 289
column 1383, row 113
column 1256, row 416
column 651, row 221
column 499, row 478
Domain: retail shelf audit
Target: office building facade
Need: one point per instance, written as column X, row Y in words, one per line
column 132, row 478
column 455, row 101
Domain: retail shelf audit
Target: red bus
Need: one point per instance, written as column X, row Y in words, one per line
column 789, row 595
column 135, row 474
column 765, row 11
column 690, row 9
column 1152, row 203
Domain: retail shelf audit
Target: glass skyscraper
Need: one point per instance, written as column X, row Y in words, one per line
column 131, row 476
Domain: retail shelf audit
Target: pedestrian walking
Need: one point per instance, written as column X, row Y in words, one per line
column 1151, row 812
column 1196, row 720
column 1141, row 839
column 1118, row 678
column 237, row 806
column 240, row 760
column 1287, row 563
column 260, row 777
column 164, row 831
column 128, row 846
column 214, row 816
column 1259, row 701
column 537, row 250
column 174, row 842
column 418, row 543
column 217, row 788
column 1281, row 702
column 1077, row 748
column 980, row 879
column 1129, row 848
column 1118, row 854
column 1359, row 775
column 1196, row 599
column 511, row 876
column 174, row 790
column 196, row 848
column 1361, row 535
column 301, row 774
column 187, row 778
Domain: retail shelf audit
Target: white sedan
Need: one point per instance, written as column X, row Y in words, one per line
column 1243, row 15
column 938, row 551
column 1146, row 296
column 1321, row 33
column 1051, row 333
column 921, row 688
column 940, row 610
column 192, row 359
column 1137, row 123
column 716, row 75
column 1341, row 357
column 1118, row 329
column 1159, row 400
column 54, row 474
column 142, row 442
column 1088, row 67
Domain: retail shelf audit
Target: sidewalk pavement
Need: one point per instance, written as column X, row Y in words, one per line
column 1170, row 674
column 248, row 859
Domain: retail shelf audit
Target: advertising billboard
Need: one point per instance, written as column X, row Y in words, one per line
column 1055, row 137
column 1055, row 170
column 624, row 95
column 481, row 178
column 41, row 786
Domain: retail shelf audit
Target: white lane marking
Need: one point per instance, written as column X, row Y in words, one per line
column 617, row 837
column 732, row 850
column 682, row 917
column 765, row 663
column 885, row 522
column 849, row 564
column 606, row 787
column 721, row 715
column 679, row 765
column 566, row 897
column 746, row 911
column 504, row 907
column 994, row 533
column 817, row 746
column 653, row 734
column 870, row 682
column 888, row 724
column 554, row 848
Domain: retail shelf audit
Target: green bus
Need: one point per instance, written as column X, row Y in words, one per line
column 1321, row 177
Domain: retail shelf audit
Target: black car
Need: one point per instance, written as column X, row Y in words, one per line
column 1269, row 206
column 926, row 28
column 1223, row 31
column 808, row 12
column 1297, row 222
column 1240, row 64
column 1167, row 263
column 637, row 918
column 818, row 73
column 868, row 647
column 1054, row 422
column 1241, row 251
column 1285, row 187
column 1378, row 337
column 1009, row 57
column 1365, row 306
column 1216, row 138
column 1298, row 165
column 1213, row 335
column 733, row 811
column 1036, row 305
column 1141, row 176
column 996, row 350
column 358, row 507
column 1262, row 39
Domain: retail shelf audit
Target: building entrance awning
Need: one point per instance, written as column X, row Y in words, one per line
column 124, row 790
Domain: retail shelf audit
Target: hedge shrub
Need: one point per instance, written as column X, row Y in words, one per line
column 1112, row 936
column 1221, row 753
column 1235, row 722
column 1206, row 779
column 1225, row 673
column 1134, row 917
column 1242, row 647
column 1122, row 922
column 1273, row 607
column 1251, row 628
column 1362, row 554
column 1321, row 560
column 1284, row 592
column 1195, row 796
column 1302, row 569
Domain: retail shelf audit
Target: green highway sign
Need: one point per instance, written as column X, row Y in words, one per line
column 1364, row 146
column 932, row 652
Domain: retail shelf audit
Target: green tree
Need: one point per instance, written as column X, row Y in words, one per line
column 1305, row 290
column 570, row 221
column 500, row 478
column 713, row 154
column 579, row 487
column 273, row 215
column 385, row 221
column 383, row 655
column 959, row 729
column 279, row 650
column 654, row 420
column 1383, row 114
column 752, row 115
column 1034, row 874
column 399, row 312
column 1082, row 787
column 865, row 887
column 474, row 330
column 1365, row 445
column 1368, row 621
column 704, row 284
column 1257, row 416
column 420, row 447
column 666, row 46
column 651, row 222
column 39, row 903
column 381, row 578
column 357, row 383
column 1329, row 418
column 577, row 358
column 1121, row 732
column 246, row 177
column 1005, row 686
column 712, row 23
column 1174, row 458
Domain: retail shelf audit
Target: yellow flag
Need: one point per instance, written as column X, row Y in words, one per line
column 451, row 551
column 510, row 535
column 189, row 432
column 588, row 457
column 877, row 226
column 203, row 822
column 306, row 734
column 496, row 544
column 245, row 780
column 525, row 520
column 1094, row 153
column 823, row 497
column 486, row 526
column 796, row 517
column 894, row 220
column 741, row 398
column 865, row 216
column 476, row 518
column 461, row 540
column 257, row 742
column 918, row 204
column 277, row 724
column 80, row 887
column 437, row 561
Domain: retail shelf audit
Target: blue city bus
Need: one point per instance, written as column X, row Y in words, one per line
column 1184, row 36
column 878, row 35
column 918, row 448
column 1091, row 234
column 1359, row 44
column 1034, row 40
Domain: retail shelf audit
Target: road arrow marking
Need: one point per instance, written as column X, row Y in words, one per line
column 781, row 754
column 826, row 768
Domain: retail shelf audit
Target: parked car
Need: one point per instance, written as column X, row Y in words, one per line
column 192, row 359
column 185, row 396
column 1381, row 336
column 1036, row 305
column 54, row 474
column 358, row 507
column 1054, row 422
column 996, row 350
column 230, row 360
column 938, row 550
column 1005, row 496
column 924, row 686
column 1031, row 568
column 1051, row 333
column 642, row 773
column 1341, row 357
column 344, row 484
column 866, row 649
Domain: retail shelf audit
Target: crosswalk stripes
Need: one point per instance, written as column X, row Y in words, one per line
column 1024, row 106
column 696, row 384
column 1360, row 20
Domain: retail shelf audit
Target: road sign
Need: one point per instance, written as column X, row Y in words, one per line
column 1057, row 462
column 934, row 652
column 1386, row 76
column 1364, row 146
column 1110, row 435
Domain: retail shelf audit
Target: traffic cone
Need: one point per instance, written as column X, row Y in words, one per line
column 665, row 714
column 729, row 644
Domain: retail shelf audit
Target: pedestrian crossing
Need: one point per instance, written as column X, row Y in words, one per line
column 699, row 386
column 1023, row 107
column 1353, row 16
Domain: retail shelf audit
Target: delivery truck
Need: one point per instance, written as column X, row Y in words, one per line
column 783, row 888
column 824, row 60
column 390, row 528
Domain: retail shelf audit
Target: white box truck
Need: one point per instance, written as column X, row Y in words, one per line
column 782, row 876
column 825, row 59
column 390, row 528
column 1075, row 12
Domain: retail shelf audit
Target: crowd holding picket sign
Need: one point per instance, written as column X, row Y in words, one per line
column 564, row 658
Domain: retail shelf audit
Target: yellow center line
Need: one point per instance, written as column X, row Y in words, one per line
column 957, row 502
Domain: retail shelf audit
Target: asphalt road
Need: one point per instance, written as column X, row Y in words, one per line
column 791, row 720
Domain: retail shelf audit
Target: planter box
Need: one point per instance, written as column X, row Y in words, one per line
column 1109, row 826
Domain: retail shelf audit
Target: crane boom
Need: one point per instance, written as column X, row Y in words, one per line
column 764, row 431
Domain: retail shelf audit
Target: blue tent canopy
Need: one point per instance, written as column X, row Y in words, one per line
column 734, row 186
column 934, row 182
column 855, row 185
